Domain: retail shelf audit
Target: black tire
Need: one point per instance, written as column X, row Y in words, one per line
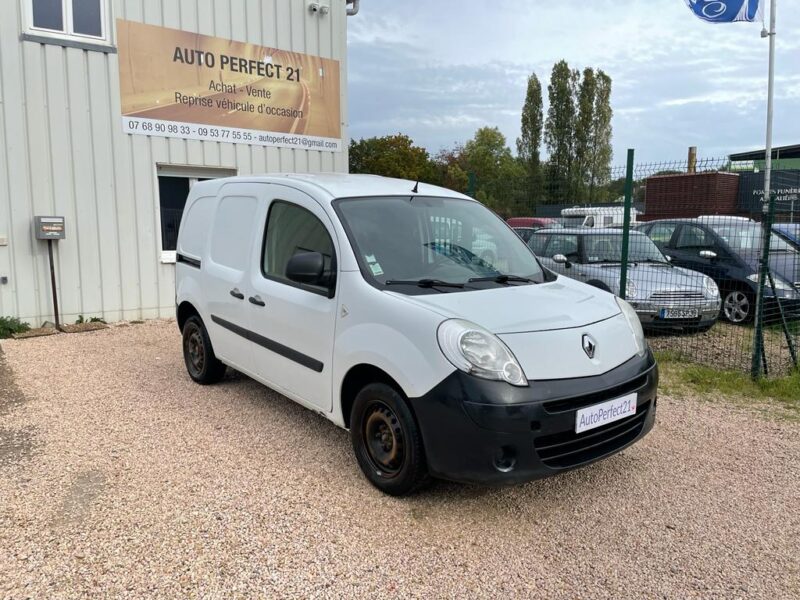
column 738, row 306
column 386, row 441
column 201, row 363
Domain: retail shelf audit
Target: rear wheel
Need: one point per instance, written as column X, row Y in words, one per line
column 201, row 363
column 386, row 440
column 738, row 306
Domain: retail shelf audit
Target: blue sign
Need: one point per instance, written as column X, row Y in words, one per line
column 726, row 11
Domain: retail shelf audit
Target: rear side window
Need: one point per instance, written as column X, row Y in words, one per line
column 292, row 229
column 661, row 233
column 563, row 244
column 537, row 243
column 194, row 232
column 692, row 236
column 233, row 226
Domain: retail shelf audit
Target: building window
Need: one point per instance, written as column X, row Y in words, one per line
column 78, row 18
column 173, row 189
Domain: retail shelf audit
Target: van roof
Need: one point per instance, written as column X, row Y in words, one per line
column 334, row 185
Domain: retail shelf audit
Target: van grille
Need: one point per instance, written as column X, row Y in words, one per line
column 578, row 402
column 569, row 449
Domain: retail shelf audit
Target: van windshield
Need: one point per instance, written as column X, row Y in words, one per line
column 450, row 240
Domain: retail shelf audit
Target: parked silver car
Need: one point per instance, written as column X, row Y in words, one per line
column 664, row 296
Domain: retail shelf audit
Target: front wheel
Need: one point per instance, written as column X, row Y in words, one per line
column 386, row 440
column 201, row 363
column 737, row 307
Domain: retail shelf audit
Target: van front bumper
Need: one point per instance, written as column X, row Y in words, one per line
column 490, row 432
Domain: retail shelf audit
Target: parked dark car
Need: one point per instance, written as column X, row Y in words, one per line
column 727, row 249
column 789, row 232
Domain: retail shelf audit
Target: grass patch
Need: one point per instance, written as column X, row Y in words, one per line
column 11, row 325
column 680, row 377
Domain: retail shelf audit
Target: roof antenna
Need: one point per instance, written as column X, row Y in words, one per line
column 416, row 188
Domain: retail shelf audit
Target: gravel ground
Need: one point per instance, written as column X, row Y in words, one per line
column 119, row 476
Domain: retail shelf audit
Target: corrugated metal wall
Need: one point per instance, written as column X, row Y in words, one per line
column 63, row 151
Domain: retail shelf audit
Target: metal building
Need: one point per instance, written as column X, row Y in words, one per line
column 111, row 109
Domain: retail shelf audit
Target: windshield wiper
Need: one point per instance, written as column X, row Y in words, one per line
column 655, row 261
column 424, row 283
column 502, row 278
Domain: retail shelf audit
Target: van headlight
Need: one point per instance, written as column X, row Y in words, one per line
column 635, row 324
column 711, row 287
column 478, row 352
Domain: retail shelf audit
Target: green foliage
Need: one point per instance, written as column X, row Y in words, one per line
column 600, row 152
column 498, row 173
column 11, row 325
column 82, row 319
column 559, row 131
column 530, row 139
column 392, row 156
column 584, row 136
column 577, row 135
column 680, row 377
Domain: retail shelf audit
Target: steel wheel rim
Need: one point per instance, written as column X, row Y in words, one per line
column 737, row 307
column 383, row 440
column 194, row 349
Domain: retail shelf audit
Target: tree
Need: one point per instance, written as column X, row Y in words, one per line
column 600, row 151
column 582, row 166
column 530, row 139
column 392, row 156
column 497, row 172
column 450, row 172
column 559, row 130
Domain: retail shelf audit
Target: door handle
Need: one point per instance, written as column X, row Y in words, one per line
column 237, row 294
column 257, row 301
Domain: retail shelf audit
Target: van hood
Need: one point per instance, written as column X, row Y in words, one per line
column 560, row 304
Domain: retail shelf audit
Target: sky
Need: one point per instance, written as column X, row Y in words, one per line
column 437, row 70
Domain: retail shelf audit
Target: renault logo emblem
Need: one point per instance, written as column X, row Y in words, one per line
column 589, row 345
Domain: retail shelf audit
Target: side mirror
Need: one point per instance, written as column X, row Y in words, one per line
column 306, row 267
column 561, row 260
column 709, row 254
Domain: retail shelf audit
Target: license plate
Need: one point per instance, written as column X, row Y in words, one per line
column 679, row 313
column 606, row 412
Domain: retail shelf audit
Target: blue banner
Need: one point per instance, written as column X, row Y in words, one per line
column 726, row 11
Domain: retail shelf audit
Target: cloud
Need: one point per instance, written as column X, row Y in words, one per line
column 439, row 70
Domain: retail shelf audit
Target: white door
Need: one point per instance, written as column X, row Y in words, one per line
column 293, row 324
column 225, row 268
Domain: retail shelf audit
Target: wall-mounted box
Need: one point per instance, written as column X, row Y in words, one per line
column 49, row 228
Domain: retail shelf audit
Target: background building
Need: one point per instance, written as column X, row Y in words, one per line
column 108, row 117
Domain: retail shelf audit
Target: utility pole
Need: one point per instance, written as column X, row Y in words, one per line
column 767, row 201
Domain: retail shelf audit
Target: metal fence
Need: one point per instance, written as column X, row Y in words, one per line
column 712, row 269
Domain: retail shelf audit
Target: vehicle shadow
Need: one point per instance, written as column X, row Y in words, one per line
column 319, row 444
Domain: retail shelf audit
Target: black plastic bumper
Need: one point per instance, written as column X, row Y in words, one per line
column 481, row 431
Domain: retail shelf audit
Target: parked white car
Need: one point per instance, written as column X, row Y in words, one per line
column 347, row 294
column 596, row 216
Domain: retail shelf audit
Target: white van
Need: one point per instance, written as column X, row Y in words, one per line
column 596, row 216
column 364, row 299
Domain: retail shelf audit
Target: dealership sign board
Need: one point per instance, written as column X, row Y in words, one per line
column 785, row 186
column 185, row 85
